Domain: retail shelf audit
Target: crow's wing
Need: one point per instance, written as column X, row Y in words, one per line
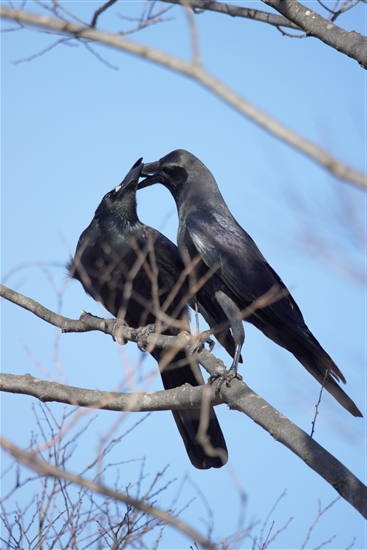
column 242, row 267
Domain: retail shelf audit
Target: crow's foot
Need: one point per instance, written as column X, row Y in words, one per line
column 116, row 324
column 199, row 340
column 141, row 335
column 230, row 374
column 227, row 377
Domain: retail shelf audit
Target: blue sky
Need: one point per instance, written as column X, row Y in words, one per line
column 72, row 128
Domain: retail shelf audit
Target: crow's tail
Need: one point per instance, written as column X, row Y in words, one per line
column 175, row 374
column 314, row 358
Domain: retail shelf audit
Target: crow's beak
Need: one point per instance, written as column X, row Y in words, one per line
column 151, row 170
column 132, row 176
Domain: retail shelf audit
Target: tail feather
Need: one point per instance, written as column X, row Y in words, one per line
column 300, row 341
column 188, row 420
column 314, row 358
column 321, row 366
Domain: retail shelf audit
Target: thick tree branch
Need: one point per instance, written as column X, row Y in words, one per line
column 351, row 43
column 198, row 74
column 241, row 398
column 32, row 461
column 238, row 396
column 165, row 400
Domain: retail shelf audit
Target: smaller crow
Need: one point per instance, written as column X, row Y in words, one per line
column 135, row 272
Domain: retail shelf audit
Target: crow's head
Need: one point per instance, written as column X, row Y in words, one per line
column 120, row 203
column 170, row 170
column 184, row 175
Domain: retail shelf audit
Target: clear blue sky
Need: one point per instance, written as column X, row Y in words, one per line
column 71, row 129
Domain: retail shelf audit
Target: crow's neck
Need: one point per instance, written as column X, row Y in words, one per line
column 122, row 217
column 192, row 197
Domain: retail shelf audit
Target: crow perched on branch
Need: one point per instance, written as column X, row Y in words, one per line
column 136, row 272
column 241, row 273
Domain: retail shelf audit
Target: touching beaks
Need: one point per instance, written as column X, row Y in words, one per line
column 151, row 171
column 150, row 168
column 132, row 176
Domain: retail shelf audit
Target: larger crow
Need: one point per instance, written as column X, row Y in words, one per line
column 242, row 274
column 132, row 268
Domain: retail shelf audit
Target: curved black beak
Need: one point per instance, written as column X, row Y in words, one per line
column 132, row 176
column 151, row 171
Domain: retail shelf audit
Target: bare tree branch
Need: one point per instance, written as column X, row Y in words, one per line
column 241, row 398
column 352, row 43
column 34, row 463
column 115, row 328
column 321, row 511
column 166, row 400
column 197, row 73
column 101, row 10
column 86, row 321
column 237, row 11
column 238, row 397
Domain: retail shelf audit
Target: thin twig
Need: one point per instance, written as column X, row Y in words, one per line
column 313, row 423
column 100, row 10
column 199, row 6
column 318, row 516
column 34, row 463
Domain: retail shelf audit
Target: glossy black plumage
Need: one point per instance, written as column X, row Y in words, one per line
column 112, row 253
column 242, row 274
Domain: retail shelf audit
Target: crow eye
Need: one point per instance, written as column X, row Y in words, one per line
column 176, row 173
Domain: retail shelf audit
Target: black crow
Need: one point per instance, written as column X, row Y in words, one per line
column 241, row 273
column 132, row 268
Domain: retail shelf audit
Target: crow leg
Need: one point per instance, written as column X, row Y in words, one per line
column 233, row 314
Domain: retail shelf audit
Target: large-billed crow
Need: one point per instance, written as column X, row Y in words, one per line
column 136, row 272
column 241, row 273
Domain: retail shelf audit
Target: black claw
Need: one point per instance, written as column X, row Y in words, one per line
column 115, row 324
column 211, row 344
